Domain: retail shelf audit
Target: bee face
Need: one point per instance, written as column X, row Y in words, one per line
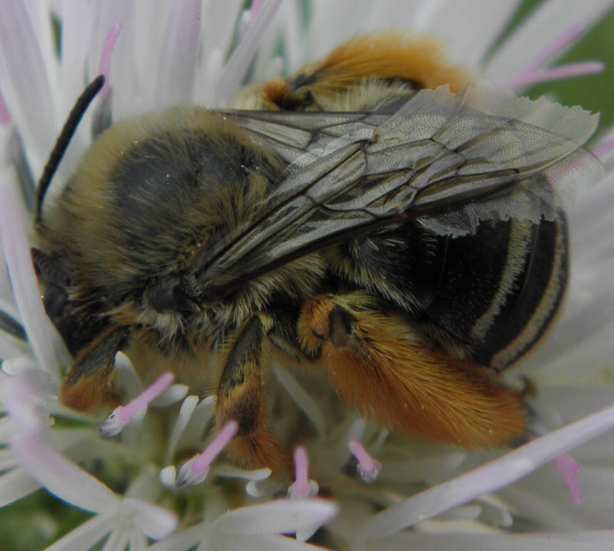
column 401, row 238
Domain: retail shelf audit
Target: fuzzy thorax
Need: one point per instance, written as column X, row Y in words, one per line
column 150, row 203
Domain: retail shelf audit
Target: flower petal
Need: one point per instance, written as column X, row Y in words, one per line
column 200, row 417
column 85, row 536
column 183, row 418
column 358, row 16
column 429, row 469
column 219, row 20
column 454, row 23
column 241, row 542
column 174, row 394
column 181, row 541
column 303, row 399
column 276, row 517
column 26, row 81
column 487, row 478
column 77, row 23
column 542, row 28
column 22, row 403
column 219, row 27
column 45, row 342
column 500, row 542
column 16, row 484
column 137, row 541
column 239, row 61
column 10, row 347
column 544, row 498
column 156, row 522
column 63, row 478
column 177, row 59
column 118, row 539
column 7, row 426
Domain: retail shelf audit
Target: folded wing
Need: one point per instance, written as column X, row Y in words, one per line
column 447, row 161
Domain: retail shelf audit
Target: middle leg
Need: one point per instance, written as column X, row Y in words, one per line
column 241, row 396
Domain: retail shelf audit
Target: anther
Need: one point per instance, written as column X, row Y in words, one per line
column 368, row 468
column 123, row 415
column 195, row 470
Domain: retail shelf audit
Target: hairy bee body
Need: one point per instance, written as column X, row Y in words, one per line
column 320, row 226
column 184, row 185
column 489, row 296
column 184, row 179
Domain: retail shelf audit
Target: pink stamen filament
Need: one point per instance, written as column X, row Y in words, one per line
column 566, row 40
column 196, row 469
column 126, row 413
column 301, row 486
column 256, row 5
column 104, row 66
column 569, row 469
column 5, row 116
column 563, row 72
column 368, row 467
column 202, row 462
column 604, row 149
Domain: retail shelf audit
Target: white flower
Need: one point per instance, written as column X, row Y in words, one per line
column 127, row 520
column 389, row 494
column 255, row 527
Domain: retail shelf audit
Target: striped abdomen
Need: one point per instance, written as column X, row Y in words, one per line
column 490, row 295
column 499, row 289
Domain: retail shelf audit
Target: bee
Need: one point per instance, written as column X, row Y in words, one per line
column 355, row 218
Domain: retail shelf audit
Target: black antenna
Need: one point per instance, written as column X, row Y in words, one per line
column 61, row 145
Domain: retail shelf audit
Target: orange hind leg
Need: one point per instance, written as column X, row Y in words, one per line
column 382, row 367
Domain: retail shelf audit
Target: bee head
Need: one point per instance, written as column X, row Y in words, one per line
column 77, row 321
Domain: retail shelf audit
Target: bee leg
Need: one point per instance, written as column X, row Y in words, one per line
column 88, row 386
column 240, row 396
column 385, row 368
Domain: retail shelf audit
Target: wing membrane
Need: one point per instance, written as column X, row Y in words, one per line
column 351, row 173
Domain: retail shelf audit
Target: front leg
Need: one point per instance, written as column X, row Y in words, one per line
column 240, row 396
column 89, row 383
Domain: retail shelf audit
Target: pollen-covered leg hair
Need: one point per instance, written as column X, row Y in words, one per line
column 88, row 386
column 240, row 396
column 380, row 365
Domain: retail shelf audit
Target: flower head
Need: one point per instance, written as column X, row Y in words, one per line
column 151, row 474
